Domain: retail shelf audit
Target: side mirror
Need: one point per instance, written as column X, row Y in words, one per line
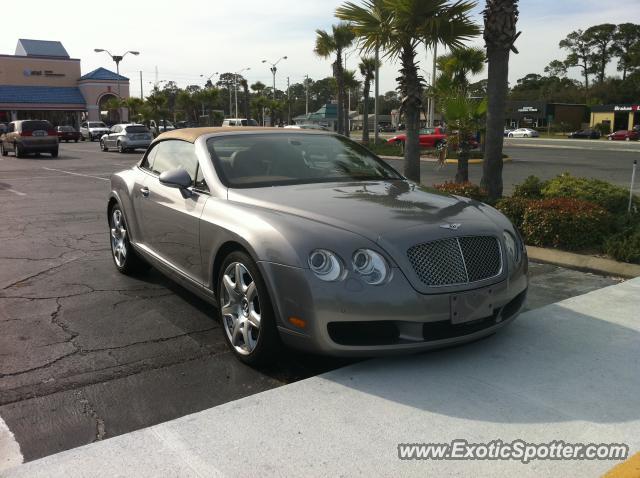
column 176, row 178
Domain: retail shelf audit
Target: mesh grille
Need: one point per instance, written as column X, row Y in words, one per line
column 456, row 260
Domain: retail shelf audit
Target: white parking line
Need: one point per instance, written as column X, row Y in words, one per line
column 77, row 174
column 18, row 193
column 10, row 454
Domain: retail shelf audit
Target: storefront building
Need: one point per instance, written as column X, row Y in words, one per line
column 41, row 81
column 616, row 117
column 540, row 114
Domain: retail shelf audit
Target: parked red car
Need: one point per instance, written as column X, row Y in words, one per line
column 624, row 135
column 429, row 138
column 67, row 133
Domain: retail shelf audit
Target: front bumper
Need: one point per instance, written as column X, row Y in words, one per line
column 351, row 318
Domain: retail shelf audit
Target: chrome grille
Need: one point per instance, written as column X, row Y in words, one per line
column 457, row 260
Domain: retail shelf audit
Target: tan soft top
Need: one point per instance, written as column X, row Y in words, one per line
column 191, row 134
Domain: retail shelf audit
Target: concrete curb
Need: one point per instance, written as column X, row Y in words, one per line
column 508, row 159
column 583, row 262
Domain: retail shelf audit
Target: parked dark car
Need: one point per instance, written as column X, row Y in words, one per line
column 29, row 136
column 68, row 133
column 624, row 135
column 585, row 134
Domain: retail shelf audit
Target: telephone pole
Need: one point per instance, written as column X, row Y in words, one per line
column 288, row 102
column 306, row 94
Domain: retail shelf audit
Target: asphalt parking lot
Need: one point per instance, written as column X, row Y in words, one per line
column 87, row 353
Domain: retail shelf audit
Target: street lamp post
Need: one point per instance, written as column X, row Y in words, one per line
column 209, row 77
column 117, row 59
column 235, row 86
column 273, row 72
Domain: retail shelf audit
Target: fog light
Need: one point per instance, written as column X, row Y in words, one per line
column 297, row 322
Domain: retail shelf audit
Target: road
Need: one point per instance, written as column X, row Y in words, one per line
column 87, row 353
column 546, row 158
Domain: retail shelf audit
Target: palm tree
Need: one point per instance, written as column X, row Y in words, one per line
column 155, row 107
column 245, row 99
column 368, row 66
column 398, row 28
column 340, row 38
column 463, row 114
column 134, row 105
column 500, row 34
column 460, row 63
column 258, row 87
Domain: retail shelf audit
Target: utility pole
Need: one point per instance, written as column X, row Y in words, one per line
column 375, row 102
column 141, row 91
column 288, row 102
column 306, row 94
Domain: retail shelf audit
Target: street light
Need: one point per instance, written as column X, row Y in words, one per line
column 273, row 72
column 117, row 59
column 235, row 86
column 209, row 77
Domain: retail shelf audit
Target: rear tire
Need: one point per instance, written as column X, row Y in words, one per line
column 103, row 146
column 240, row 302
column 54, row 153
column 18, row 150
column 510, row 135
column 125, row 258
column 3, row 151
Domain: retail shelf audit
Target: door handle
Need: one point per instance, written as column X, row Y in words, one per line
column 145, row 191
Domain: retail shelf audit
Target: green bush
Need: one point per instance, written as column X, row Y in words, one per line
column 384, row 148
column 571, row 224
column 468, row 190
column 624, row 246
column 603, row 128
column 613, row 198
column 513, row 208
column 530, row 188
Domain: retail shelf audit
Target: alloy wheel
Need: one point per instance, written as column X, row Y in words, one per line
column 118, row 237
column 240, row 307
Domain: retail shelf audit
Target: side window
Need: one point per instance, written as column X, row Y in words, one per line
column 147, row 161
column 200, row 182
column 84, row 125
column 174, row 154
column 12, row 127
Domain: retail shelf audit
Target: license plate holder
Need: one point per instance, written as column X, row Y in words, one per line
column 470, row 306
column 39, row 133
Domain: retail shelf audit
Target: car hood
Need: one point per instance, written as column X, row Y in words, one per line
column 377, row 210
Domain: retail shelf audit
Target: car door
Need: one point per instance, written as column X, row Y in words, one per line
column 111, row 137
column 171, row 216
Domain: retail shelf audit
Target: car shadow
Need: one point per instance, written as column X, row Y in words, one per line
column 550, row 365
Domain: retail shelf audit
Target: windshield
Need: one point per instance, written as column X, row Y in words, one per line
column 261, row 160
column 65, row 128
column 97, row 125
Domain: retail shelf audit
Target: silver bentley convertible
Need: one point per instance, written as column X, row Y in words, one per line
column 306, row 238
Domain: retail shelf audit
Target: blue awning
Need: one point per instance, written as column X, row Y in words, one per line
column 41, row 94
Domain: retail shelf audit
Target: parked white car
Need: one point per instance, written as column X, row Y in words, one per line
column 92, row 130
column 523, row 133
column 239, row 122
column 161, row 127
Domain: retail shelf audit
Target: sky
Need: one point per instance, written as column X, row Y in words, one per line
column 189, row 38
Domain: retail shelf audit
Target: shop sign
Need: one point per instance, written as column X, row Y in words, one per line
column 527, row 109
column 47, row 73
column 626, row 108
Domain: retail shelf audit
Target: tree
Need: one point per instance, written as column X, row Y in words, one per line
column 336, row 42
column 258, row 87
column 460, row 63
column 351, row 85
column 464, row 115
column 398, row 28
column 626, row 41
column 245, row 102
column 600, row 38
column 367, row 66
column 500, row 34
column 580, row 54
column 134, row 105
column 556, row 68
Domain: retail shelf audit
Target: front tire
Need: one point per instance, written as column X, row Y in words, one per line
column 125, row 258
column 103, row 146
column 510, row 135
column 246, row 312
column 120, row 148
column 3, row 151
column 19, row 152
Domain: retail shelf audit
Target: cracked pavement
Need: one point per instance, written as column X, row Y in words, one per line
column 87, row 353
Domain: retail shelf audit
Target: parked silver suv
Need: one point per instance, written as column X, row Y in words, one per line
column 92, row 130
column 125, row 137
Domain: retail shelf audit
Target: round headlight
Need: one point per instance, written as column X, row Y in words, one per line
column 513, row 249
column 371, row 266
column 325, row 265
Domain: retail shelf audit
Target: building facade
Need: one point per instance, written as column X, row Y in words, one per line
column 41, row 81
column 538, row 114
column 616, row 117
